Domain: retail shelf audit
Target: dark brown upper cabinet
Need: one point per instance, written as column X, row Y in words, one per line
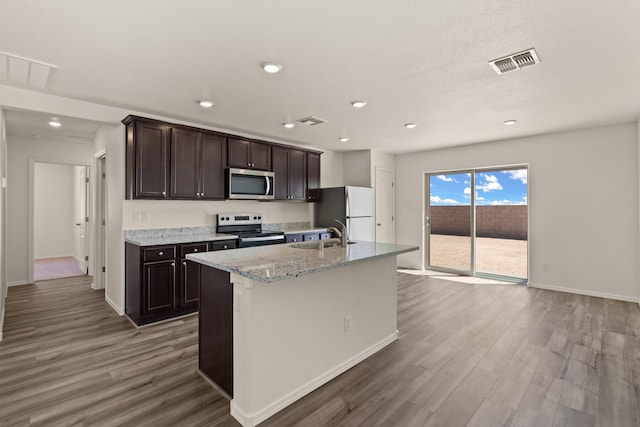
column 147, row 163
column 246, row 154
column 167, row 161
column 186, row 147
column 197, row 165
column 290, row 168
column 213, row 161
column 313, row 177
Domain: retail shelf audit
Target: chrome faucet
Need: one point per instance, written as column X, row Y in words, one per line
column 343, row 234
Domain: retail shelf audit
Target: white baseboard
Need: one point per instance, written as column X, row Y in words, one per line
column 113, row 305
column 251, row 420
column 585, row 292
column 18, row 283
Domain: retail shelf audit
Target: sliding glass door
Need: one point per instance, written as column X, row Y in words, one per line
column 483, row 232
column 449, row 222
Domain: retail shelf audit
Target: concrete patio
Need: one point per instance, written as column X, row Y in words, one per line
column 507, row 257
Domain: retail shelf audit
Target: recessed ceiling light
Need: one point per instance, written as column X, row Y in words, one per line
column 510, row 122
column 271, row 68
column 206, row 103
column 289, row 125
column 358, row 104
column 410, row 125
column 343, row 139
column 55, row 124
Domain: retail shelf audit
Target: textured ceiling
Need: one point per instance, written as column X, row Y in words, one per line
column 412, row 61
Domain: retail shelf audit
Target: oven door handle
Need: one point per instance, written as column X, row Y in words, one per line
column 262, row 239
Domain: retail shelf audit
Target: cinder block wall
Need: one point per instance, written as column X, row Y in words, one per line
column 504, row 222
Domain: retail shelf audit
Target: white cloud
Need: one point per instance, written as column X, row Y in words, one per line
column 444, row 178
column 467, row 190
column 507, row 202
column 490, row 184
column 437, row 199
column 520, row 174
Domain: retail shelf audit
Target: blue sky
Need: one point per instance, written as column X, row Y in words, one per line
column 508, row 187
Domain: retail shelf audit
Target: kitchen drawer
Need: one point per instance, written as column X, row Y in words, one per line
column 291, row 238
column 223, row 244
column 159, row 253
column 325, row 236
column 193, row 248
column 308, row 237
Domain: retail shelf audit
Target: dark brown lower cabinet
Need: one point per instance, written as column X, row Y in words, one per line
column 189, row 282
column 215, row 334
column 160, row 283
column 159, row 287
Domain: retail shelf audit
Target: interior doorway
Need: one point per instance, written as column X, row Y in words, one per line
column 476, row 222
column 60, row 212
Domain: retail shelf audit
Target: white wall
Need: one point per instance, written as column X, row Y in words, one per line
column 20, row 151
column 357, row 168
column 331, row 169
column 584, row 204
column 3, row 228
column 53, row 209
column 381, row 160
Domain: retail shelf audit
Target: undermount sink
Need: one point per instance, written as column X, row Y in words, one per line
column 314, row 244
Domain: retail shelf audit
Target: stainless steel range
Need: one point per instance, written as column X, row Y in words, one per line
column 248, row 227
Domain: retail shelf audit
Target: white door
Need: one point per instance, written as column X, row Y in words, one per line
column 385, row 224
column 81, row 213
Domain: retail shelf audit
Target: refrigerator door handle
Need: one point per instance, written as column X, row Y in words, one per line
column 346, row 193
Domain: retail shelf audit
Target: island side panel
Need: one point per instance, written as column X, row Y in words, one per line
column 291, row 337
column 215, row 334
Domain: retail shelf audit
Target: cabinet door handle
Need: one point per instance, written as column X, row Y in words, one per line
column 195, row 250
column 173, row 264
column 184, row 263
column 160, row 253
column 226, row 247
column 164, row 193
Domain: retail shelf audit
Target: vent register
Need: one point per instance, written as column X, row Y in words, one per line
column 24, row 71
column 515, row 61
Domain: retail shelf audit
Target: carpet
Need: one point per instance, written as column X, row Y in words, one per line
column 56, row 268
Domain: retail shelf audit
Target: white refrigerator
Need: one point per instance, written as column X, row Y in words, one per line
column 354, row 206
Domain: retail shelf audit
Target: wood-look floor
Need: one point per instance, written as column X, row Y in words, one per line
column 469, row 355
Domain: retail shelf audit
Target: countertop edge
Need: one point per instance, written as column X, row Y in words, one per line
column 299, row 273
column 178, row 240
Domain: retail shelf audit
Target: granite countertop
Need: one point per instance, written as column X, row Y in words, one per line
column 174, row 236
column 277, row 262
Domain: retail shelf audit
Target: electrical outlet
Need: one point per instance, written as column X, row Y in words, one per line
column 546, row 267
column 347, row 323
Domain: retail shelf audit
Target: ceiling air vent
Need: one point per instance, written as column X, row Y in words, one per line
column 24, row 71
column 515, row 61
column 311, row 121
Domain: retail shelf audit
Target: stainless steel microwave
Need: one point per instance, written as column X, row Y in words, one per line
column 250, row 184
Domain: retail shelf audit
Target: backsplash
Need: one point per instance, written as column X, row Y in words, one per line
column 167, row 232
column 153, row 214
column 286, row 226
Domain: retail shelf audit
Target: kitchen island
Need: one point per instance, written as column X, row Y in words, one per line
column 277, row 322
